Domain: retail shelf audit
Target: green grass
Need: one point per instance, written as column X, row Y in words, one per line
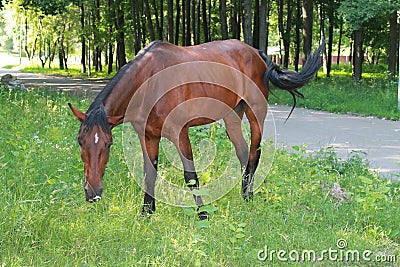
column 72, row 71
column 340, row 94
column 46, row 221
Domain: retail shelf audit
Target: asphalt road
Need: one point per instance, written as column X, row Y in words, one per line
column 379, row 139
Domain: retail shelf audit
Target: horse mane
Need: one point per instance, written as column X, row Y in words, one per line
column 107, row 90
column 97, row 116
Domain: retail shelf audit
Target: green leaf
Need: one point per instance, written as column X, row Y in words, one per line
column 191, row 182
column 51, row 181
column 365, row 180
column 297, row 148
column 232, row 227
column 240, row 235
column 208, row 208
column 189, row 211
column 202, row 224
column 201, row 192
column 242, row 225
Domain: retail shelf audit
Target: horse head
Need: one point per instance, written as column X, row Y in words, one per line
column 95, row 140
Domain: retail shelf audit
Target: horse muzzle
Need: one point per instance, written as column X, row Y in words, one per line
column 93, row 195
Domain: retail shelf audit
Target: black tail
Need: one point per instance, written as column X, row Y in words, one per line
column 290, row 80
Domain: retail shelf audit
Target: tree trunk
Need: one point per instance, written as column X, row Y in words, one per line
column 340, row 41
column 193, row 20
column 235, row 19
column 256, row 23
column 149, row 21
column 222, row 14
column 119, row 26
column 298, row 27
column 198, row 21
column 247, row 21
column 188, row 34
column 136, row 25
column 285, row 32
column 393, row 45
column 170, row 15
column 358, row 54
column 83, row 41
column 307, row 27
column 177, row 22
column 110, row 57
column 158, row 25
column 331, row 22
column 28, row 54
column 205, row 20
column 322, row 34
column 262, row 41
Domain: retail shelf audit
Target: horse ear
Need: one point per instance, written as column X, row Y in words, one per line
column 78, row 114
column 116, row 120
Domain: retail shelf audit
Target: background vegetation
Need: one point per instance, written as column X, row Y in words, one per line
column 99, row 33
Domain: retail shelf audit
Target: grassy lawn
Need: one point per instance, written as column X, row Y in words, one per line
column 308, row 203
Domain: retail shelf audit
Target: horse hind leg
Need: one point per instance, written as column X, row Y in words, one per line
column 233, row 126
column 254, row 156
column 185, row 152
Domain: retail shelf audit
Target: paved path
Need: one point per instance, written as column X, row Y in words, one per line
column 380, row 139
column 78, row 87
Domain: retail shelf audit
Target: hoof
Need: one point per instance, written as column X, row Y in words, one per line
column 203, row 215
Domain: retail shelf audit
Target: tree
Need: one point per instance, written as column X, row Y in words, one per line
column 247, row 25
column 357, row 13
column 222, row 14
column 393, row 44
column 285, row 29
column 307, row 27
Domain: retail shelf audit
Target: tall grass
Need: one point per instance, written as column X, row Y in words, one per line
column 45, row 220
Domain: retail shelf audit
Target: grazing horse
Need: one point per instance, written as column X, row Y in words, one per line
column 166, row 89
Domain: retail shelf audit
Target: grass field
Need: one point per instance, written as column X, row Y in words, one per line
column 318, row 204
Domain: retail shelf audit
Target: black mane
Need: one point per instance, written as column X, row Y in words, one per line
column 97, row 116
column 102, row 96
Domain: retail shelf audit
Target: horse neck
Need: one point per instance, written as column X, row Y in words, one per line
column 123, row 87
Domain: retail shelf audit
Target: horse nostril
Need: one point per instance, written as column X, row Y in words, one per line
column 93, row 194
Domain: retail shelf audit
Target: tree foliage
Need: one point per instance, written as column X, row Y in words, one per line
column 107, row 32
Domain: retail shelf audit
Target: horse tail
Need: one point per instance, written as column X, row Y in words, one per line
column 290, row 80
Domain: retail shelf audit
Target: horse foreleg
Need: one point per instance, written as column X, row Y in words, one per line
column 150, row 148
column 185, row 152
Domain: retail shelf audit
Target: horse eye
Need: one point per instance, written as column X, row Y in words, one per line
column 109, row 145
column 80, row 143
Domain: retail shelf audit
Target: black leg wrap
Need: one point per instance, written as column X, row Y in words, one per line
column 203, row 215
column 247, row 185
column 189, row 178
column 149, row 205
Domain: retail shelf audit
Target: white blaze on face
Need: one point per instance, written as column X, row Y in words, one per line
column 96, row 138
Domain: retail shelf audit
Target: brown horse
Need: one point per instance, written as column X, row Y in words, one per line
column 166, row 89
